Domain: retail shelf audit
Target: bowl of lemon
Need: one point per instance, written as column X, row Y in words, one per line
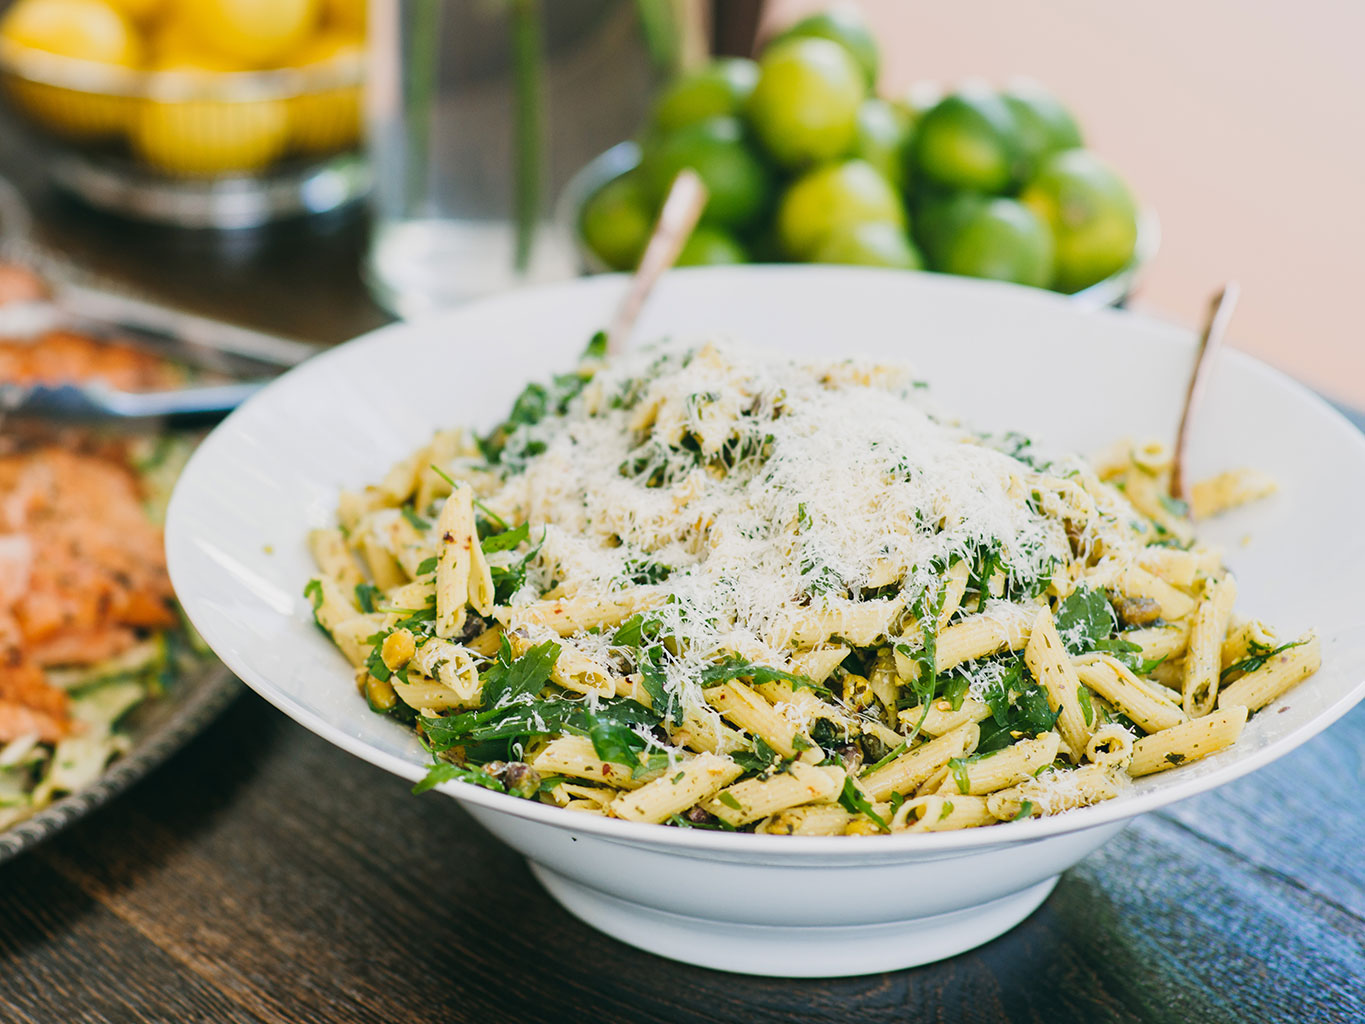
column 804, row 162
column 204, row 113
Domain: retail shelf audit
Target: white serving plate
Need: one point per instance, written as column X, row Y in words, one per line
column 1001, row 356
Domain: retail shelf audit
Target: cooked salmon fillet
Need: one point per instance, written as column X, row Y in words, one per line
column 81, row 568
column 59, row 357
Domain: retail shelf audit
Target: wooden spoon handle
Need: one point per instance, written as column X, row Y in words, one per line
column 1215, row 326
column 686, row 198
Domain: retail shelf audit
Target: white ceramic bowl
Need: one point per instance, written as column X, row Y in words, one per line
column 1001, row 356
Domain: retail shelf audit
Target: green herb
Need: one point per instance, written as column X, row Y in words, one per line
column 855, row 802
column 313, row 591
column 954, row 689
column 729, row 800
column 897, row 799
column 1025, row 809
column 533, row 717
column 1085, row 622
column 374, row 664
column 1083, row 695
column 506, row 540
column 1174, row 757
column 596, row 348
column 417, row 522
column 536, row 402
column 679, row 777
column 1174, row 506
column 506, row 679
column 945, row 810
column 1259, row 655
column 763, row 758
column 958, row 767
column 427, row 565
column 1018, row 705
column 738, row 668
column 641, row 636
column 489, row 514
column 926, row 612
column 612, row 741
column 1083, row 618
column 508, row 579
column 445, row 772
column 642, row 571
column 365, row 593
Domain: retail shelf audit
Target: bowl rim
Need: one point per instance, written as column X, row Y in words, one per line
column 93, row 78
column 624, row 157
column 754, row 847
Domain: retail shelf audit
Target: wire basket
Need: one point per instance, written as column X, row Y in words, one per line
column 194, row 147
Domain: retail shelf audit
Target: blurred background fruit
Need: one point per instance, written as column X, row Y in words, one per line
column 805, row 163
column 717, row 89
column 145, row 93
column 1090, row 212
column 711, row 246
column 804, row 108
column 831, row 197
column 969, row 140
column 616, row 221
column 735, row 178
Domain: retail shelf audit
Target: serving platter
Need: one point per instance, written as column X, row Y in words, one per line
column 156, row 729
column 1001, row 357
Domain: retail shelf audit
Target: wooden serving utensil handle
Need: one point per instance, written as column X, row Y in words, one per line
column 681, row 210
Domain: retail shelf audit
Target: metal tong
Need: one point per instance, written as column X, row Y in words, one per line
column 199, row 342
column 250, row 357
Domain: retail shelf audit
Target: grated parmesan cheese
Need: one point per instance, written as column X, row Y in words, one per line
column 763, row 487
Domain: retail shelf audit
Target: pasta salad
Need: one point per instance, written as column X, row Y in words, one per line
column 716, row 587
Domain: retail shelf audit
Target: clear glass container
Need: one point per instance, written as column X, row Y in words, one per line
column 478, row 113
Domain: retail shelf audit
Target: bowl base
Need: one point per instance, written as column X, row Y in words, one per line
column 241, row 201
column 794, row 952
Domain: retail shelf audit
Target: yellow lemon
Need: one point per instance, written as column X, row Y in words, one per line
column 207, row 137
column 140, row 10
column 84, row 29
column 260, row 32
column 175, row 47
column 88, row 30
column 348, row 15
column 329, row 119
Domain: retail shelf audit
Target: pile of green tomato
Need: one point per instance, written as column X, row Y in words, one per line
column 804, row 164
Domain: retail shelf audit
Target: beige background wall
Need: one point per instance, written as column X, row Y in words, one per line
column 1241, row 122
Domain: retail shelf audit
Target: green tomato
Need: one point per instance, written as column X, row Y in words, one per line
column 718, row 89
column 736, row 180
column 1001, row 239
column 845, row 26
column 874, row 244
column 834, row 196
column 616, row 221
column 709, row 247
column 804, row 108
column 969, row 141
column 1091, row 213
column 884, row 140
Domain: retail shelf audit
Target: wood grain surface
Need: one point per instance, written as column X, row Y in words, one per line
column 263, row 876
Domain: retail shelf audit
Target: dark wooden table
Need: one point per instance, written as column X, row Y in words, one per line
column 262, row 875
